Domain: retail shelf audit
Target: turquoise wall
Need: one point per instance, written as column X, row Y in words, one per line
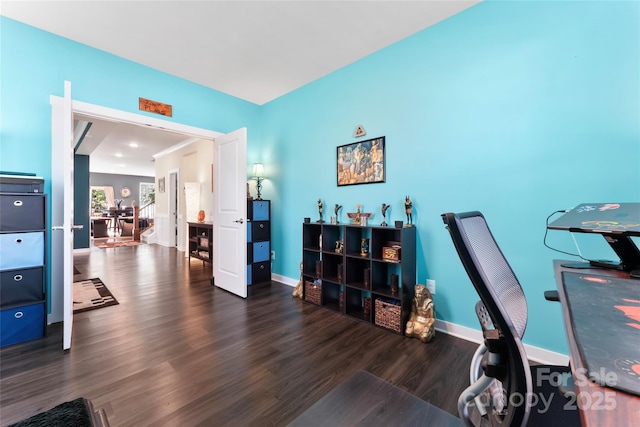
column 514, row 109
column 35, row 64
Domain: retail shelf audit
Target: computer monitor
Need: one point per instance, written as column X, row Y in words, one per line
column 616, row 222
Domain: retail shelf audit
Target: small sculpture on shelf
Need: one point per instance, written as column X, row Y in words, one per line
column 336, row 210
column 408, row 208
column 359, row 218
column 320, row 211
column 364, row 246
column 421, row 324
column 384, row 214
column 249, row 196
column 339, row 246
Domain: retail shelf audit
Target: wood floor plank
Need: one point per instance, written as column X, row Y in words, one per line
column 177, row 351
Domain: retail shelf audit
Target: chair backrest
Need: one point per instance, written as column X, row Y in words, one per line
column 502, row 295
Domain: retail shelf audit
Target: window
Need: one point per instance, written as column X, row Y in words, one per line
column 147, row 193
column 98, row 200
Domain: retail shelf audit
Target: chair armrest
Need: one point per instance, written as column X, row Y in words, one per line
column 551, row 296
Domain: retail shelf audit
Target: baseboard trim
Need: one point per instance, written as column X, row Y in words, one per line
column 536, row 354
column 285, row 280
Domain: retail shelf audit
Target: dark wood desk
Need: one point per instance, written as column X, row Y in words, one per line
column 599, row 405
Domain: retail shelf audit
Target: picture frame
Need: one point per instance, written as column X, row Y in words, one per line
column 361, row 162
column 161, row 185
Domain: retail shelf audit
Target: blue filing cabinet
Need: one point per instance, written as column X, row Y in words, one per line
column 22, row 261
column 258, row 241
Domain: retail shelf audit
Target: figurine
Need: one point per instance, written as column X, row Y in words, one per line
column 337, row 208
column 384, row 215
column 359, row 218
column 409, row 211
column 320, row 211
column 297, row 291
column 249, row 196
column 421, row 324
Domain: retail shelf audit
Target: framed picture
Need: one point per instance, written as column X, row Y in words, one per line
column 161, row 185
column 361, row 162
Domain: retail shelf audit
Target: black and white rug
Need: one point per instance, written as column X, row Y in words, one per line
column 77, row 413
column 91, row 294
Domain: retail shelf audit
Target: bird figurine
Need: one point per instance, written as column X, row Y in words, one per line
column 384, row 214
column 336, row 209
column 357, row 217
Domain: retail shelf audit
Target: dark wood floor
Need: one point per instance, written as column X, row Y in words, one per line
column 179, row 352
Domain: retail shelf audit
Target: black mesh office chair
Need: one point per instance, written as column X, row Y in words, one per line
column 506, row 389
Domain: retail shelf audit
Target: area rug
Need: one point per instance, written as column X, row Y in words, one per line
column 104, row 245
column 91, row 294
column 69, row 414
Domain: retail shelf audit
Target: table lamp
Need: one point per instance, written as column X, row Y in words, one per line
column 258, row 175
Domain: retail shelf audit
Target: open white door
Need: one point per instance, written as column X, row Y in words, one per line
column 62, row 208
column 230, row 212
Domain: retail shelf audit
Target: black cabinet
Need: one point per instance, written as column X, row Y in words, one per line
column 367, row 273
column 22, row 263
column 201, row 241
column 258, row 241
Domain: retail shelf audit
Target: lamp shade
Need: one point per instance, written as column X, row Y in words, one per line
column 258, row 170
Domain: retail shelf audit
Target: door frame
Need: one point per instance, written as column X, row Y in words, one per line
column 173, row 185
column 105, row 113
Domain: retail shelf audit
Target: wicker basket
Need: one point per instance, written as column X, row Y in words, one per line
column 388, row 315
column 313, row 292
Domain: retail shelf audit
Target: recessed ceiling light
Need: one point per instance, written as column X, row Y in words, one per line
column 118, row 154
column 133, row 144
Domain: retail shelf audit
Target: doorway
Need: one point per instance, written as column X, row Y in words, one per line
column 101, row 113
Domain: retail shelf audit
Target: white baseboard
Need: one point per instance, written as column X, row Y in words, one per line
column 81, row 251
column 286, row 280
column 537, row 354
column 534, row 353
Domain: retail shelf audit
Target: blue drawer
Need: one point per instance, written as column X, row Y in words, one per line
column 20, row 324
column 21, row 250
column 260, row 210
column 19, row 287
column 249, row 274
column 261, row 251
column 249, row 227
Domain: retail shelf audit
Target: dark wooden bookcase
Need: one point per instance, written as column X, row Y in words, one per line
column 201, row 241
column 348, row 277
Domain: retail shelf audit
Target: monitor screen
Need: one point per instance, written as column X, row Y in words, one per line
column 601, row 218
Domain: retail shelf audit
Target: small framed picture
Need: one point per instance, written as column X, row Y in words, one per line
column 161, row 185
column 361, row 162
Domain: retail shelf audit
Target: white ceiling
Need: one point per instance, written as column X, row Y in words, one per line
column 110, row 150
column 253, row 50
